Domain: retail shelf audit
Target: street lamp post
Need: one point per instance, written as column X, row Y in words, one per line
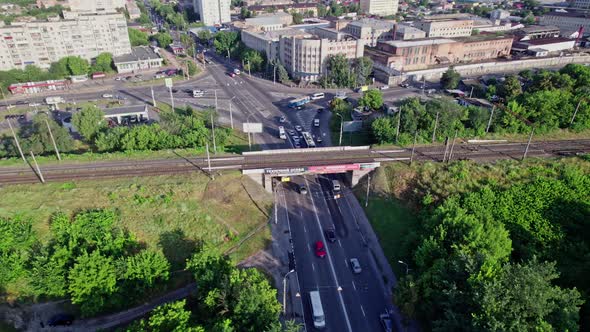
column 285, row 291
column 341, row 127
column 249, row 140
column 407, row 267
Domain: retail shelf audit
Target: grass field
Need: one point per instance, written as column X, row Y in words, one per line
column 169, row 213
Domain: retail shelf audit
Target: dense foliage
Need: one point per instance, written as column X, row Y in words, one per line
column 508, row 255
column 228, row 299
column 343, row 73
column 89, row 259
column 138, row 38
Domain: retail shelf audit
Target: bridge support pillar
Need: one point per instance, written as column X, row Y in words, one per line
column 358, row 175
column 257, row 177
column 267, row 182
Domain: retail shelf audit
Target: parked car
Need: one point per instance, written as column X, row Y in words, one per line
column 282, row 119
column 385, row 87
column 355, row 265
column 404, row 85
column 302, row 190
column 330, row 234
column 107, row 95
column 298, row 128
column 61, row 320
column 320, row 249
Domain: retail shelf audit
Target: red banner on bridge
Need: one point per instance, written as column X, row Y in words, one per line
column 333, row 168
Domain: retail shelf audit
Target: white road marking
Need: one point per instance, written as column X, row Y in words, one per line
column 304, row 229
column 317, row 218
column 353, row 285
column 313, row 267
column 339, row 243
column 363, row 310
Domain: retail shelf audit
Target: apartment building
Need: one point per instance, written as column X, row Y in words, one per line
column 379, row 7
column 213, row 12
column 568, row 23
column 581, row 4
column 79, row 34
column 305, row 56
column 302, row 8
column 370, row 31
column 424, row 53
column 446, row 26
column 94, row 6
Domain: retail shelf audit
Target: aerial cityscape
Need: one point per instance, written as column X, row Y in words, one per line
column 294, row 165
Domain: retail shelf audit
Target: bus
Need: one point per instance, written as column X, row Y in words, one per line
column 317, row 310
column 308, row 139
column 299, row 101
column 282, row 133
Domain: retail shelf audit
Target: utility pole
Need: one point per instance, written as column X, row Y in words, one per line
column 471, row 93
column 249, row 74
column 399, row 121
column 209, row 161
column 435, row 125
column 171, row 98
column 368, row 189
column 228, row 53
column 188, row 75
column 153, row 98
column 575, row 112
column 53, row 140
column 38, row 169
column 274, row 74
column 413, row 147
column 446, row 149
column 423, row 84
column 490, row 120
column 16, row 141
column 526, row 150
column 213, row 124
column 341, row 129
column 231, row 117
column 453, row 146
column 249, row 142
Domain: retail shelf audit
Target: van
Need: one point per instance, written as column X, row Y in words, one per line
column 335, row 185
column 317, row 95
column 319, row 321
column 316, row 122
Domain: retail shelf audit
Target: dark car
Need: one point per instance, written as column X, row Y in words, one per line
column 386, row 322
column 61, row 320
column 187, row 91
column 174, row 90
column 303, row 190
column 320, row 110
column 320, row 249
column 330, row 234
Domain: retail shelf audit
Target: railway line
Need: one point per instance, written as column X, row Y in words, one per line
column 300, row 158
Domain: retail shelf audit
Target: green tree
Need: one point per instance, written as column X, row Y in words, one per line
column 372, row 99
column 89, row 121
column 92, row 282
column 245, row 13
column 523, row 298
column 103, row 63
column 297, row 18
column 145, row 269
column 76, row 65
column 363, row 68
column 38, row 138
column 339, row 71
column 170, row 317
column 15, row 248
column 341, row 107
column 137, row 38
column 253, row 60
column 204, row 35
column 450, row 79
column 322, row 10
column 526, row 74
column 383, row 130
column 510, row 88
column 163, row 39
column 226, row 41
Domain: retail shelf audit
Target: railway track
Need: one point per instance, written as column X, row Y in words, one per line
column 115, row 169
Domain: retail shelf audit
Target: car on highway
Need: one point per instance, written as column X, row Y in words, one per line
column 300, row 107
column 107, row 95
column 355, row 265
column 231, row 74
column 330, row 234
column 291, row 132
column 174, row 90
column 302, row 190
column 404, row 85
column 34, row 104
column 319, row 140
column 386, row 322
column 119, row 78
column 384, row 87
column 297, row 145
column 317, row 95
column 282, row 119
column 298, row 128
column 316, row 122
column 320, row 110
column 60, row 320
column 320, row 249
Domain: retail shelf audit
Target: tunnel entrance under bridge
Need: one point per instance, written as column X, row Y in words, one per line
column 267, row 177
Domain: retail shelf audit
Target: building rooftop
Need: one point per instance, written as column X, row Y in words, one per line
column 419, row 42
column 538, row 28
column 446, row 17
column 282, row 7
column 546, row 41
column 275, row 35
column 133, row 109
column 275, row 18
column 372, row 23
column 137, row 53
column 483, row 37
column 568, row 14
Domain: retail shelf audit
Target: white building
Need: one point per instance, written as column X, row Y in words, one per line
column 140, row 58
column 276, row 21
column 213, row 12
column 370, row 31
column 42, row 42
column 568, row 23
column 96, row 6
column 450, row 26
column 379, row 7
column 583, row 4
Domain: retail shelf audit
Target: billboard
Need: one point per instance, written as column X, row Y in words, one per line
column 334, row 168
column 252, row 127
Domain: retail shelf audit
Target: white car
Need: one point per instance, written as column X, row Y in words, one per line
column 282, row 119
column 355, row 265
column 298, row 128
column 385, row 87
column 107, row 95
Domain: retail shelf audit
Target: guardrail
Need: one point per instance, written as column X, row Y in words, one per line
column 306, row 150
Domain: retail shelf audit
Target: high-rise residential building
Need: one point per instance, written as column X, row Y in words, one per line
column 84, row 5
column 41, row 42
column 379, row 7
column 213, row 12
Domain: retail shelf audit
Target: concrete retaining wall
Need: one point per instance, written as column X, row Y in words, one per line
column 478, row 69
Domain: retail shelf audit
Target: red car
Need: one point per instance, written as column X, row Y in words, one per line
column 231, row 74
column 320, row 249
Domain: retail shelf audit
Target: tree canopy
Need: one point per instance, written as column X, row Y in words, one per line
column 89, row 121
column 450, row 78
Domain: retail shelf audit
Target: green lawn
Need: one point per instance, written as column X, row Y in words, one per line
column 166, row 213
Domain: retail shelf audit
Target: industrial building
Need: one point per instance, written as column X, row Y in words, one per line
column 567, row 22
column 448, row 26
column 370, row 31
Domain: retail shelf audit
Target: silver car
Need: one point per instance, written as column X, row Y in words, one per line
column 355, row 265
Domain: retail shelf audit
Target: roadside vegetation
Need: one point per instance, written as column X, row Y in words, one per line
column 136, row 234
column 489, row 247
column 545, row 102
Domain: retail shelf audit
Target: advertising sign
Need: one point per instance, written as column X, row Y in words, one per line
column 168, row 82
column 334, row 168
column 252, row 127
column 285, row 171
